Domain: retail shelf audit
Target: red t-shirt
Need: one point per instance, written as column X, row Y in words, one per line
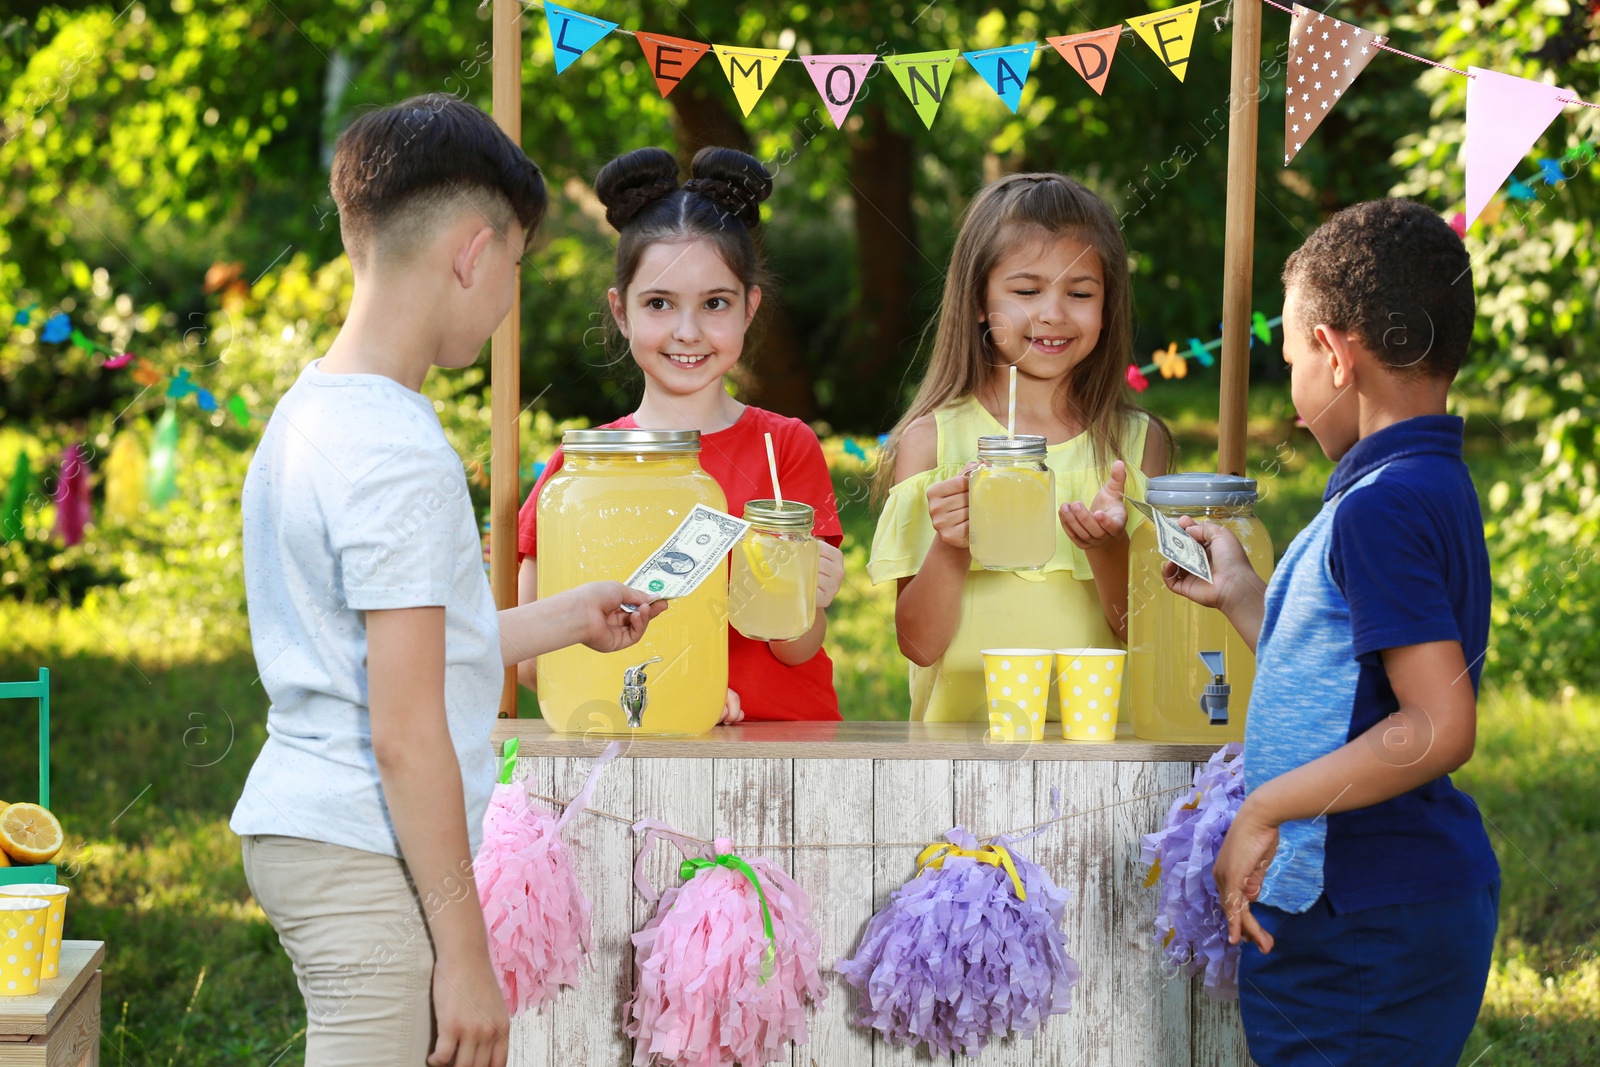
column 737, row 458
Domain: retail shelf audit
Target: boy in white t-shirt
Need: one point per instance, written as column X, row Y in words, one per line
column 373, row 624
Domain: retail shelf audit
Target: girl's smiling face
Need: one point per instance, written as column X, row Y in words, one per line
column 1043, row 303
column 684, row 315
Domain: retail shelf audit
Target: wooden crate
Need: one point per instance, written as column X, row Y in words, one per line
column 59, row 1026
column 886, row 782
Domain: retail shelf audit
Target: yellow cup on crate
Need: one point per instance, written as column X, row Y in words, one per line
column 1017, row 682
column 56, row 917
column 1090, row 683
column 22, row 938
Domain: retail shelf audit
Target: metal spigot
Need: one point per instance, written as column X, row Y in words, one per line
column 635, row 697
column 1214, row 699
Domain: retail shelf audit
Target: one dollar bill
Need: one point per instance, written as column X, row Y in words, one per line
column 695, row 549
column 1175, row 542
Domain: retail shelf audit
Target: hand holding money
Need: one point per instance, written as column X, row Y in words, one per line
column 1234, row 587
column 695, row 549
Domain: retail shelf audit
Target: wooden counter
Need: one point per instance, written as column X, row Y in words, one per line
column 883, row 790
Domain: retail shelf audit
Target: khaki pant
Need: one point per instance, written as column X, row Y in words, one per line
column 353, row 927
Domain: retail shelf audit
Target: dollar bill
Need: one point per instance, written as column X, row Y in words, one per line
column 695, row 549
column 1175, row 543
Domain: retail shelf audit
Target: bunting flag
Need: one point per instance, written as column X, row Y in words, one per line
column 1090, row 54
column 163, row 479
column 669, row 58
column 182, row 385
column 572, row 33
column 1170, row 35
column 126, row 475
column 241, row 411
column 1505, row 116
column 57, row 328
column 72, row 496
column 749, row 71
column 118, row 361
column 840, row 79
column 1325, row 56
column 923, row 77
column 1005, row 69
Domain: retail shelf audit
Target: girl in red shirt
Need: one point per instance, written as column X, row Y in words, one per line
column 688, row 284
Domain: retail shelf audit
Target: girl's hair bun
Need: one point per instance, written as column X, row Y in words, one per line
column 630, row 183
column 732, row 180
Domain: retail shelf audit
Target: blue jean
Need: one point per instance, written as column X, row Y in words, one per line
column 1392, row 986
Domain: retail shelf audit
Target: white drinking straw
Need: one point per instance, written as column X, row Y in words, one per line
column 1011, row 406
column 772, row 465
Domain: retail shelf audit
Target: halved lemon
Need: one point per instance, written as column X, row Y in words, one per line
column 30, row 833
column 760, row 566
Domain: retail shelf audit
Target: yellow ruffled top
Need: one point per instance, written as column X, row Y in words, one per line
column 1056, row 607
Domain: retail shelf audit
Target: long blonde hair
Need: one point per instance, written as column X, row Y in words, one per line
column 1001, row 214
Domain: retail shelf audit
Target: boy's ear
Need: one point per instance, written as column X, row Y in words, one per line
column 752, row 300
column 465, row 262
column 618, row 312
column 1340, row 350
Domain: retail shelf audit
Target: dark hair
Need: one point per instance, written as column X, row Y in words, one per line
column 396, row 168
column 720, row 203
column 1394, row 274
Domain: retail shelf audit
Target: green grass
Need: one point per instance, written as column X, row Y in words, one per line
column 153, row 740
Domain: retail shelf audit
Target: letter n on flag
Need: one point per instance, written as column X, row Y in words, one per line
column 669, row 58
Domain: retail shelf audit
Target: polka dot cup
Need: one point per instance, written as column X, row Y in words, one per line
column 57, row 896
column 22, row 930
column 1090, row 681
column 1017, row 682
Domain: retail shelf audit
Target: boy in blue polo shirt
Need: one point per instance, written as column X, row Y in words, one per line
column 1361, row 878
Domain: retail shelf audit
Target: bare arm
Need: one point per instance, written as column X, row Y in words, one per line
column 527, row 593
column 590, row 614
column 927, row 608
column 422, row 788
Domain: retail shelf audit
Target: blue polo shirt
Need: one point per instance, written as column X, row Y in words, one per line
column 1396, row 557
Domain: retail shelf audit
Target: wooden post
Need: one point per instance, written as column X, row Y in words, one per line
column 505, row 366
column 1244, row 104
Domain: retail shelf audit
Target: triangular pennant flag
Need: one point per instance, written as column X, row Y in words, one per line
column 241, row 411
column 923, row 77
column 1090, row 54
column 1325, row 55
column 182, row 385
column 1505, row 115
column 840, row 79
column 749, row 71
column 1005, row 69
column 572, row 33
column 669, row 58
column 1170, row 34
column 57, row 328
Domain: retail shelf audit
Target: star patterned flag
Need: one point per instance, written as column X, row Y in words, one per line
column 1325, row 55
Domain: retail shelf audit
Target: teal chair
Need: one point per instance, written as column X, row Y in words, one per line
column 40, row 691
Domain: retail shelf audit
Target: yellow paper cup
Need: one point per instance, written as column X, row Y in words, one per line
column 22, row 930
column 57, row 917
column 1090, row 681
column 1017, row 682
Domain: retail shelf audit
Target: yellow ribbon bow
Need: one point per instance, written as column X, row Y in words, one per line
column 994, row 855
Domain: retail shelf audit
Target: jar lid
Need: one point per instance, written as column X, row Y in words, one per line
column 790, row 514
column 628, row 441
column 1199, row 489
column 1024, row 445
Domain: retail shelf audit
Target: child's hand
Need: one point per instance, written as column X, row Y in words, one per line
column 830, row 573
column 947, row 507
column 1232, row 577
column 1240, row 868
column 470, row 1013
column 599, row 616
column 731, row 711
column 1105, row 519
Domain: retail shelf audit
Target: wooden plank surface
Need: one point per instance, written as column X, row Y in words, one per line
column 75, row 1041
column 36, row 1014
column 851, row 740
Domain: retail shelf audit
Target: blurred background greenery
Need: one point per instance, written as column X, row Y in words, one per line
column 163, row 180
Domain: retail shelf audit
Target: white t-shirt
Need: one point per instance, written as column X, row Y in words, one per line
column 355, row 501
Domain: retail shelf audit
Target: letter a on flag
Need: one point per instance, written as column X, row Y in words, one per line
column 1005, row 69
column 749, row 71
column 1170, row 34
column 572, row 33
column 840, row 80
column 1090, row 54
column 669, row 58
column 923, row 77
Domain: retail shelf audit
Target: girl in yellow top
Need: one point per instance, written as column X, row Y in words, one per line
column 1039, row 281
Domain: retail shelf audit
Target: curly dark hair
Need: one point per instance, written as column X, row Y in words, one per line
column 1394, row 274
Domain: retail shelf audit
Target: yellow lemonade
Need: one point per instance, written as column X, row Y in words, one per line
column 773, row 592
column 1011, row 517
column 600, row 517
column 1167, row 633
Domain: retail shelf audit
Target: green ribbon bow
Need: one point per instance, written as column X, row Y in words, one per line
column 508, row 760
column 691, row 867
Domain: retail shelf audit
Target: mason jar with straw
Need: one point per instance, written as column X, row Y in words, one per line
column 772, row 595
column 1011, row 499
